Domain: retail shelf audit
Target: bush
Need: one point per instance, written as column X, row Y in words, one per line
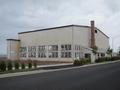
column 82, row 62
column 77, row 62
column 22, row 66
column 2, row 66
column 30, row 65
column 9, row 66
column 107, row 59
column 16, row 65
column 115, row 58
column 86, row 61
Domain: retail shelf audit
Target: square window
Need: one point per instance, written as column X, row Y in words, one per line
column 95, row 31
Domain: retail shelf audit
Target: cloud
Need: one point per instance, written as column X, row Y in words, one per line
column 22, row 15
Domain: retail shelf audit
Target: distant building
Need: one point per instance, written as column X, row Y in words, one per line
column 64, row 43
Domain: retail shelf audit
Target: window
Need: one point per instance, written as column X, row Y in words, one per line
column 66, row 51
column 66, row 54
column 53, row 54
column 95, row 31
column 53, row 51
column 77, row 51
column 53, row 47
column 87, row 55
column 23, row 51
column 77, row 47
column 77, row 54
column 42, row 51
column 102, row 55
column 66, row 47
column 32, row 51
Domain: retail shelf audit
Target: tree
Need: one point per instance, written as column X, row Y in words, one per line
column 119, row 51
column 2, row 66
column 109, row 51
column 95, row 49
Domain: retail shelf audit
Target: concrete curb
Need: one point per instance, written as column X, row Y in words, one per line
column 63, row 64
column 43, row 71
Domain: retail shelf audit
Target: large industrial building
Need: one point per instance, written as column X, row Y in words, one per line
column 64, row 43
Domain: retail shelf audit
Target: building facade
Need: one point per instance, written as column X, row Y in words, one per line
column 64, row 43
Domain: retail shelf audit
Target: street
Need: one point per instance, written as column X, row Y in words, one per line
column 98, row 77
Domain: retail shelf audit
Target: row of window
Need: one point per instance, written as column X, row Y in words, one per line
column 42, row 51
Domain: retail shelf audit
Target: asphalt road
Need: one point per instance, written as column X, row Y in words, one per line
column 100, row 77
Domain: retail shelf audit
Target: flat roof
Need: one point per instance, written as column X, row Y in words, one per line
column 60, row 27
column 13, row 40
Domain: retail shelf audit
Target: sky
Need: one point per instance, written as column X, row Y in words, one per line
column 26, row 15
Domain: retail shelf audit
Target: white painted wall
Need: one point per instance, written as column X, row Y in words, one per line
column 13, row 50
column 67, row 35
column 57, row 36
column 47, row 37
column 102, row 41
column 81, row 36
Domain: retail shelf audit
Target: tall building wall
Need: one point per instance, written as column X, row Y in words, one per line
column 47, row 37
column 59, row 36
column 81, row 36
column 102, row 41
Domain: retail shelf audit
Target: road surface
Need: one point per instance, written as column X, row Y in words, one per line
column 98, row 77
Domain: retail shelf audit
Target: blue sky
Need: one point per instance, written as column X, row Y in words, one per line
column 23, row 15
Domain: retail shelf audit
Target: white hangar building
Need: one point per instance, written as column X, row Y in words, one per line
column 64, row 43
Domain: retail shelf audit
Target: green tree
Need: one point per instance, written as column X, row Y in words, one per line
column 109, row 51
column 95, row 49
column 2, row 66
column 119, row 51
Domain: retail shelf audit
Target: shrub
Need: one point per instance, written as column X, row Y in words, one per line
column 2, row 66
column 107, row 59
column 77, row 62
column 115, row 58
column 99, row 60
column 82, row 62
column 29, row 65
column 9, row 66
column 86, row 61
column 22, row 66
column 16, row 65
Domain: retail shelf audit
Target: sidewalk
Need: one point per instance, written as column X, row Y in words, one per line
column 40, row 70
column 63, row 64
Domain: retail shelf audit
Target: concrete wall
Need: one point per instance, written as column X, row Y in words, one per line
column 102, row 41
column 13, row 49
column 57, row 36
column 81, row 36
column 47, row 37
